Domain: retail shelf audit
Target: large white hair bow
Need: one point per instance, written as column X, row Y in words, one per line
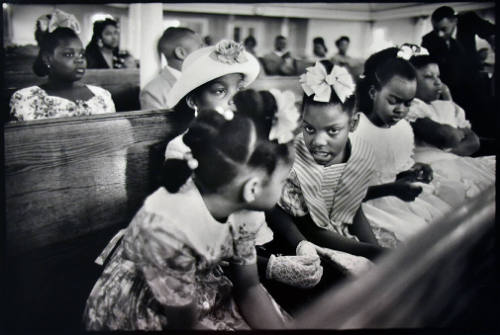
column 407, row 51
column 318, row 82
column 49, row 23
column 286, row 118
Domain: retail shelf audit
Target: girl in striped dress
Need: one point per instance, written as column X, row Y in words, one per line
column 321, row 200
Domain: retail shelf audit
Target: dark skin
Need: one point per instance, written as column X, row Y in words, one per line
column 67, row 66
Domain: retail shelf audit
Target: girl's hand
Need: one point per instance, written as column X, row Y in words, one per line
column 351, row 264
column 298, row 271
column 423, row 172
column 406, row 190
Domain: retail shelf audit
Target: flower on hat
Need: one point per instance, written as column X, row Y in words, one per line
column 286, row 117
column 407, row 51
column 318, row 82
column 58, row 19
column 229, row 52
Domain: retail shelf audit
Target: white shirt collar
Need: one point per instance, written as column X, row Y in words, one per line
column 176, row 73
column 280, row 53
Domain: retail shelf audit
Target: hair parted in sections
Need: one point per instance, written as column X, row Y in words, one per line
column 347, row 106
column 223, row 147
column 380, row 68
column 47, row 42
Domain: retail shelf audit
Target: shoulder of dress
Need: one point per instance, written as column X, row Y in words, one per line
column 98, row 90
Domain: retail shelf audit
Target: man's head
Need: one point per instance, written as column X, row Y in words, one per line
column 280, row 43
column 319, row 47
column 444, row 21
column 177, row 43
column 342, row 44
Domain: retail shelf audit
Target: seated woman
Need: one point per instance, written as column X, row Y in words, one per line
column 102, row 51
column 61, row 58
column 443, row 134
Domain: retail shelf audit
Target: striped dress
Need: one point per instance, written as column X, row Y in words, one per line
column 330, row 194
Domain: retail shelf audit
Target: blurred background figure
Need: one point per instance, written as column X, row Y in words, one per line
column 319, row 49
column 353, row 65
column 175, row 45
column 280, row 60
column 103, row 52
column 250, row 43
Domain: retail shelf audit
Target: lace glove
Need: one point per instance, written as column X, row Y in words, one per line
column 351, row 264
column 306, row 248
column 297, row 271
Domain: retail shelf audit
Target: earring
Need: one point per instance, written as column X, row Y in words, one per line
column 195, row 111
column 99, row 43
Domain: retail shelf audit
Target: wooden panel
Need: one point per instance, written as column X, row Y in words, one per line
column 123, row 84
column 67, row 177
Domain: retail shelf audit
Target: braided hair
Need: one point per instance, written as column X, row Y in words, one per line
column 223, row 147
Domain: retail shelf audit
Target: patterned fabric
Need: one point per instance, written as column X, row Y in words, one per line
column 170, row 255
column 33, row 103
column 332, row 194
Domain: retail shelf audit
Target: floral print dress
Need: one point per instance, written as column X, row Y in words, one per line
column 33, row 103
column 170, row 256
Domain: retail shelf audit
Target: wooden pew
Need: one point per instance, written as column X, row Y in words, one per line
column 279, row 82
column 70, row 185
column 123, row 85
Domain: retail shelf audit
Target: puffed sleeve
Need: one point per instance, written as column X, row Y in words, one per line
column 462, row 122
column 22, row 105
column 292, row 200
column 418, row 110
column 168, row 266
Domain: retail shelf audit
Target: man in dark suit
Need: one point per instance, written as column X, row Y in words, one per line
column 452, row 42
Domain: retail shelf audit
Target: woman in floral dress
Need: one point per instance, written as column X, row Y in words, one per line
column 62, row 59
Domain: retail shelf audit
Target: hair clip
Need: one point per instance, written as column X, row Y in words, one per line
column 318, row 82
column 286, row 117
column 191, row 161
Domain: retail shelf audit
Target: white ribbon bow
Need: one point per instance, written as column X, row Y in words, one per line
column 58, row 19
column 286, row 117
column 318, row 82
column 407, row 51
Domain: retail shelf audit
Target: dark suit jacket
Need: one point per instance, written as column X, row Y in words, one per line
column 276, row 65
column 459, row 62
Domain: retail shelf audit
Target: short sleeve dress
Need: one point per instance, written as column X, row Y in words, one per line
column 171, row 255
column 33, row 103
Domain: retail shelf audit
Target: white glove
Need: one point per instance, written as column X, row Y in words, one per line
column 298, row 271
column 351, row 264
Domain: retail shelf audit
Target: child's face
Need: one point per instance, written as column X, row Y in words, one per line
column 326, row 128
column 68, row 62
column 429, row 85
column 110, row 36
column 219, row 92
column 391, row 103
column 271, row 190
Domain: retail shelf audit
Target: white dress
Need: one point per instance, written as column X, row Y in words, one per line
column 473, row 174
column 33, row 103
column 393, row 148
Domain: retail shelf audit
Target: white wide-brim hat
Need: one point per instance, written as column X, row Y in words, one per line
column 209, row 63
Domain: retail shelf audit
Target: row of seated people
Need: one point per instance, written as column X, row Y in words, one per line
column 332, row 198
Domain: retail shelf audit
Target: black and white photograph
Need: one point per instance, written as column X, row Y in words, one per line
column 239, row 166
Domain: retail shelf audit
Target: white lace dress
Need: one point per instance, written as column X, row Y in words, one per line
column 472, row 174
column 393, row 148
